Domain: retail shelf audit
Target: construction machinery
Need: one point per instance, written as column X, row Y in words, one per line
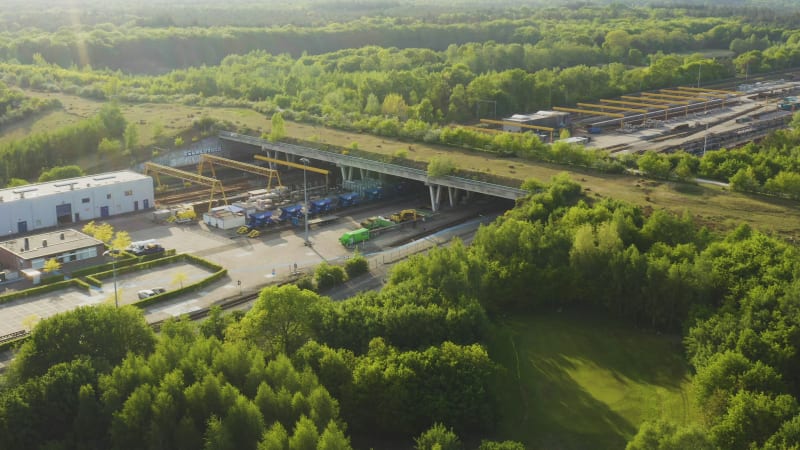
column 404, row 216
column 321, row 206
column 373, row 223
column 349, row 199
column 213, row 183
column 211, row 160
column 352, row 238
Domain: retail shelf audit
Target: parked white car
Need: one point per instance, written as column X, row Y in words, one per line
column 146, row 293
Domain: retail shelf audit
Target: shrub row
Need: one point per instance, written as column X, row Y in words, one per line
column 12, row 344
column 188, row 288
column 121, row 262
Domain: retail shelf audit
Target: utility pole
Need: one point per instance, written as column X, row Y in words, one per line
column 113, row 254
column 699, row 67
column 305, row 162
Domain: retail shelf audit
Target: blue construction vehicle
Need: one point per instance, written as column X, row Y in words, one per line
column 349, row 199
column 373, row 194
column 260, row 220
column 290, row 212
column 321, row 206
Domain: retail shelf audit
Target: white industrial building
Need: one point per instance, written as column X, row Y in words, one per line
column 58, row 203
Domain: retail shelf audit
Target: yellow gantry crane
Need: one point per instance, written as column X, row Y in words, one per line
column 595, row 113
column 295, row 165
column 615, row 108
column 244, row 167
column 521, row 125
column 719, row 91
column 213, row 183
column 656, row 107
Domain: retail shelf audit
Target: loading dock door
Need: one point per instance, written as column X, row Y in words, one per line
column 64, row 213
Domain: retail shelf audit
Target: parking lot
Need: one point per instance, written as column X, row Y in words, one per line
column 22, row 313
column 251, row 263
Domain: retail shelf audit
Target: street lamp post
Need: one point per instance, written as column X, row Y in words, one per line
column 113, row 255
column 305, row 197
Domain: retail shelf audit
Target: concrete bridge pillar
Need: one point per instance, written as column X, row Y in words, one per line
column 347, row 173
column 453, row 194
column 436, row 196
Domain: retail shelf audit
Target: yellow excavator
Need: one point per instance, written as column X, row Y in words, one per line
column 404, row 216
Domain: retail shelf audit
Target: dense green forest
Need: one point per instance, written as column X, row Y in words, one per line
column 299, row 367
column 410, row 365
column 411, row 78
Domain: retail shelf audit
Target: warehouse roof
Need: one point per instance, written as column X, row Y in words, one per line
column 45, row 244
column 70, row 184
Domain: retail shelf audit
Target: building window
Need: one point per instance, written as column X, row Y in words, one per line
column 128, row 193
column 85, row 200
column 108, row 196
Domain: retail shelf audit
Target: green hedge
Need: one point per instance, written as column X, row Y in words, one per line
column 51, row 279
column 42, row 290
column 177, row 292
column 121, row 262
column 144, row 265
column 219, row 272
column 12, row 344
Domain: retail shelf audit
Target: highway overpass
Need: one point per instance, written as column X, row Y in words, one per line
column 363, row 166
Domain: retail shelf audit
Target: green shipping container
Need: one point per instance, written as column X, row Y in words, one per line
column 352, row 238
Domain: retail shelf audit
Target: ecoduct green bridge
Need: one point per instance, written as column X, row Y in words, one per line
column 350, row 165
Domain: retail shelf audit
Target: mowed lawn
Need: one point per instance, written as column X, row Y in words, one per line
column 575, row 382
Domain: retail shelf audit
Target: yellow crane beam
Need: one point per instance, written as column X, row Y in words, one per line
column 213, row 183
column 658, row 108
column 244, row 167
column 693, row 95
column 295, row 165
column 621, row 102
column 721, row 91
column 698, row 94
column 657, row 100
column 521, row 125
column 670, row 96
column 586, row 111
column 615, row 108
column 291, row 164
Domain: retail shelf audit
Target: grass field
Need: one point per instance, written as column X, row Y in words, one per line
column 585, row 383
column 712, row 205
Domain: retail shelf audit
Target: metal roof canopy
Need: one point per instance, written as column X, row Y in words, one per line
column 621, row 102
column 213, row 183
column 692, row 94
column 700, row 94
column 657, row 108
column 586, row 111
column 721, row 91
column 657, row 100
column 244, row 167
column 521, row 125
column 668, row 96
column 616, row 108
